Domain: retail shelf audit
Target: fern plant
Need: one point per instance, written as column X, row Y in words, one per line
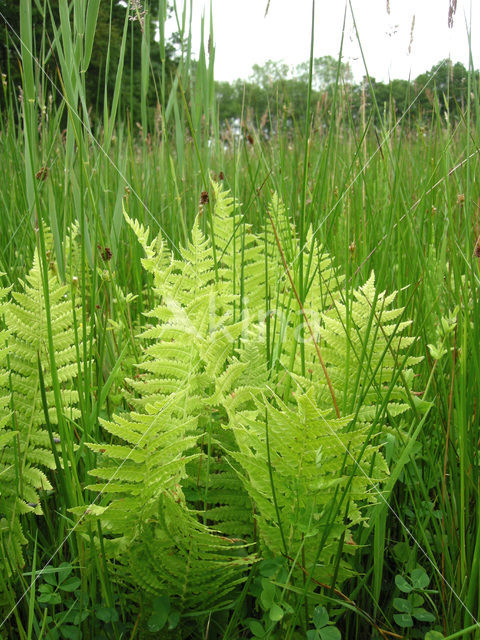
column 11, row 507
column 367, row 350
column 232, row 437
column 293, row 461
column 148, row 528
column 241, row 253
column 310, row 474
column 29, row 435
column 161, row 512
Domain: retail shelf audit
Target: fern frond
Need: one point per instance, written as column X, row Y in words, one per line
column 155, row 252
column 296, row 469
column 148, row 527
column 27, row 345
column 12, row 538
column 160, row 451
column 197, row 567
column 364, row 348
column 240, row 251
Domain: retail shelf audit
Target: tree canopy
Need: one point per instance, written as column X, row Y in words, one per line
column 101, row 75
column 277, row 93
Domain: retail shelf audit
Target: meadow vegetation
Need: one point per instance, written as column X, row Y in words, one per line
column 238, row 366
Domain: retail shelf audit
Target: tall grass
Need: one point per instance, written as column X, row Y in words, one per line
column 402, row 201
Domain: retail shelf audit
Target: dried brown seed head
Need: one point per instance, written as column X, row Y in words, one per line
column 42, row 174
column 452, row 7
column 476, row 251
column 107, row 254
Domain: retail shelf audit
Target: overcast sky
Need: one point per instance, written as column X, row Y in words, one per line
column 244, row 36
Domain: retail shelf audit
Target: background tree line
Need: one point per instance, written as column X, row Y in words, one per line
column 274, row 96
column 113, row 16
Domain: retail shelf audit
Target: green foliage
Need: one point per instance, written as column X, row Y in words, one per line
column 11, row 506
column 411, row 607
column 274, row 97
column 364, row 345
column 162, row 614
column 104, row 25
column 169, row 439
column 217, row 450
column 323, row 630
column 398, row 200
column 66, row 606
column 27, row 442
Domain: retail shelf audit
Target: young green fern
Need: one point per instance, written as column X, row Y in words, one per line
column 156, row 540
column 233, row 437
column 27, row 444
column 309, row 474
column 241, row 253
column 157, row 479
column 367, row 352
column 292, row 458
column 12, row 538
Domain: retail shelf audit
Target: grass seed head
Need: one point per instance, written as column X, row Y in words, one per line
column 476, row 251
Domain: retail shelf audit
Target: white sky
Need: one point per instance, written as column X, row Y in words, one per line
column 243, row 36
